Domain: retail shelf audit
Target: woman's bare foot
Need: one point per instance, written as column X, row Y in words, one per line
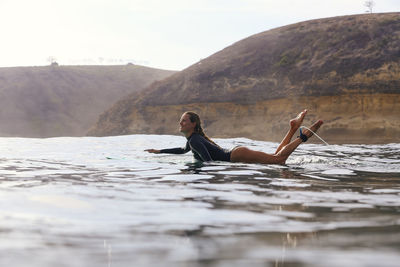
column 296, row 122
column 313, row 128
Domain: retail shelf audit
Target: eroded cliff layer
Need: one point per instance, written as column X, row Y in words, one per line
column 347, row 119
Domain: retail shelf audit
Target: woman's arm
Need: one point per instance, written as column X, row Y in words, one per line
column 156, row 151
column 177, row 150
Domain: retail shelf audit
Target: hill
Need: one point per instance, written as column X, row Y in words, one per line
column 345, row 70
column 65, row 100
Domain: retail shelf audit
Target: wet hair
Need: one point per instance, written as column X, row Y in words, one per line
column 198, row 129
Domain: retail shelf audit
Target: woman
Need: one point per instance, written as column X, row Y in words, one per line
column 205, row 149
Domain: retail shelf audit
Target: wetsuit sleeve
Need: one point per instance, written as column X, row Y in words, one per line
column 177, row 150
column 198, row 147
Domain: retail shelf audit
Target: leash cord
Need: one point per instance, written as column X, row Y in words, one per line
column 315, row 135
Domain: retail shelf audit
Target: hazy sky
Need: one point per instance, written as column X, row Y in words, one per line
column 168, row 34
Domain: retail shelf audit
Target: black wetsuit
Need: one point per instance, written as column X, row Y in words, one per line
column 202, row 149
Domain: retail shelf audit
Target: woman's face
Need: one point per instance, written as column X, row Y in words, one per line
column 186, row 126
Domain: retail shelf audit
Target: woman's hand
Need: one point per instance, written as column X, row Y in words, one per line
column 156, row 151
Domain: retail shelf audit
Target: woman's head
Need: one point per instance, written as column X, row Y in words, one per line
column 190, row 123
column 194, row 118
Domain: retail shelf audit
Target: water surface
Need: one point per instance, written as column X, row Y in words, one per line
column 106, row 202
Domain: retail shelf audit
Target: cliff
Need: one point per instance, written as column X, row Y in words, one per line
column 65, row 100
column 345, row 70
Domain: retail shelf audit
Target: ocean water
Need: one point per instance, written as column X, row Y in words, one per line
column 106, row 202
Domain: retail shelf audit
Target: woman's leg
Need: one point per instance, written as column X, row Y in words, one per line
column 294, row 126
column 246, row 155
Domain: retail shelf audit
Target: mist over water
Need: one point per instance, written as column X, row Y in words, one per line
column 106, row 202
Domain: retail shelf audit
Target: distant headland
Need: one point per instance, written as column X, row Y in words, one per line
column 344, row 70
column 65, row 100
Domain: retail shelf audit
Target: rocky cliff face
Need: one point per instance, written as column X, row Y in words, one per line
column 64, row 100
column 345, row 70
